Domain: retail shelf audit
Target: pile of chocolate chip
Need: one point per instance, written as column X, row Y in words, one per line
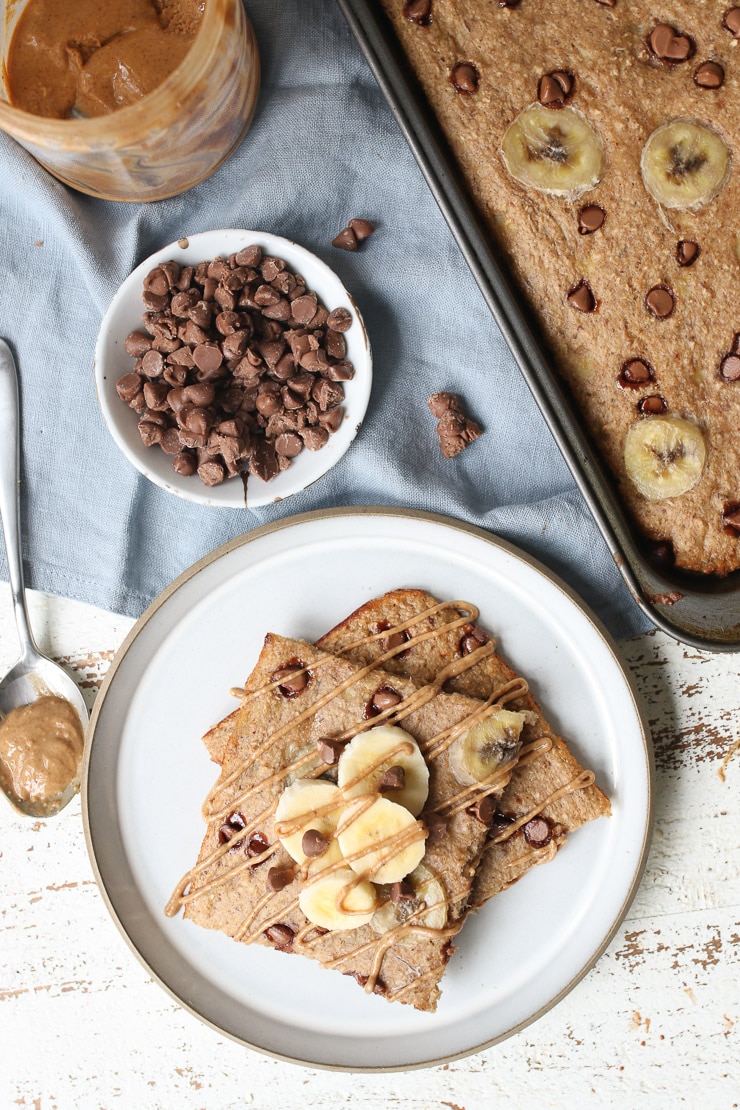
column 239, row 366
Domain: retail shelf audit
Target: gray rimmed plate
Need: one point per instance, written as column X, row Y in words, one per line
column 148, row 773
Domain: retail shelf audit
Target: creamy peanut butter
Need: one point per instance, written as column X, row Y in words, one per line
column 92, row 57
column 40, row 749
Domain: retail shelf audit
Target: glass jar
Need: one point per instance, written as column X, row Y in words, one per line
column 168, row 141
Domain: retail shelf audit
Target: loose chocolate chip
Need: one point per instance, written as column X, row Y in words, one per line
column 709, row 75
column 731, row 21
column 582, row 298
column 669, row 45
column 472, row 639
column 484, row 810
column 402, row 891
column 329, row 750
column 418, row 11
column 281, row 936
column 590, row 219
column 280, row 877
column 291, row 684
column 258, row 844
column 393, row 778
column 652, row 405
column 730, row 368
column 362, row 228
column 687, row 252
column 660, row 301
column 314, row 843
column 340, row 319
column 731, row 518
column 538, row 832
column 636, row 372
column 465, row 78
column 455, row 430
column 556, row 88
column 385, row 697
column 346, row 240
column 233, row 824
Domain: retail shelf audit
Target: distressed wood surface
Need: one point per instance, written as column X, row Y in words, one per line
column 655, row 1023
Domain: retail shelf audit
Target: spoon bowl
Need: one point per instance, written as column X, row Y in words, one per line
column 34, row 675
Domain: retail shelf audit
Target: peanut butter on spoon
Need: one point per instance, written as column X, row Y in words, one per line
column 92, row 57
column 41, row 748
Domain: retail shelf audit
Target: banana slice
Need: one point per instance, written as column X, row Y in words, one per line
column 372, row 754
column 427, row 906
column 380, row 835
column 664, row 456
column 476, row 754
column 299, row 800
column 339, row 901
column 684, row 164
column 555, row 152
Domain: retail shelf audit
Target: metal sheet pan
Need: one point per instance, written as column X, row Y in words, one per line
column 700, row 610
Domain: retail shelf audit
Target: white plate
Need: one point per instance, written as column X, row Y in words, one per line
column 111, row 362
column 148, row 774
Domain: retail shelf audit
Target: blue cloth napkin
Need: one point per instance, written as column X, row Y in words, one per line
column 323, row 148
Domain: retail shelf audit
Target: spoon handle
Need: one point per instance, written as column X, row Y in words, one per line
column 10, row 492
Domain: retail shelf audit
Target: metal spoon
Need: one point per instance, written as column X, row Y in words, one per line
column 33, row 676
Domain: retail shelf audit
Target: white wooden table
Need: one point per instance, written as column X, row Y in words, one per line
column 655, row 1024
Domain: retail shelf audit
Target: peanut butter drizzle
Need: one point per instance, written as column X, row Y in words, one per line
column 264, row 925
column 580, row 782
column 432, row 972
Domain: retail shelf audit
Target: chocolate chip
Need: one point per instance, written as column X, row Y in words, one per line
column 137, row 344
column 258, row 844
column 509, row 3
column 184, row 464
column 538, row 832
column 607, row 3
column 472, row 640
column 385, row 697
column 687, row 252
column 465, row 78
column 730, row 368
column 582, row 298
column 329, row 750
column 590, row 219
column 555, row 88
column 291, row 684
column 652, row 405
column 314, row 843
column 731, row 518
column 418, row 11
column 362, row 228
column 502, row 821
column 281, row 936
column 669, row 45
column 636, row 372
column 435, row 823
column 340, row 319
column 128, row 387
column 288, row 444
column 455, row 430
column 156, row 282
column 346, row 240
column 660, row 301
column 233, row 824
column 152, row 364
column 731, row 21
column 402, row 891
column 484, row 810
column 280, row 877
column 709, row 75
column 393, row 778
column 736, row 344
column 211, row 472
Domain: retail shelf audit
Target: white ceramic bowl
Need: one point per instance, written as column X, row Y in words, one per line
column 112, row 362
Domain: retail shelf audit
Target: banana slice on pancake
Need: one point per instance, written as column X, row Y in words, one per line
column 385, row 760
column 380, row 839
column 338, row 900
column 306, row 815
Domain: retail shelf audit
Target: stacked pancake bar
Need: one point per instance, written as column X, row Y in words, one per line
column 405, row 689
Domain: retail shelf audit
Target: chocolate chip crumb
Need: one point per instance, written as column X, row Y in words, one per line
column 660, row 302
column 465, row 77
column 538, row 832
column 590, row 219
column 687, row 252
column 709, row 75
column 455, row 430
